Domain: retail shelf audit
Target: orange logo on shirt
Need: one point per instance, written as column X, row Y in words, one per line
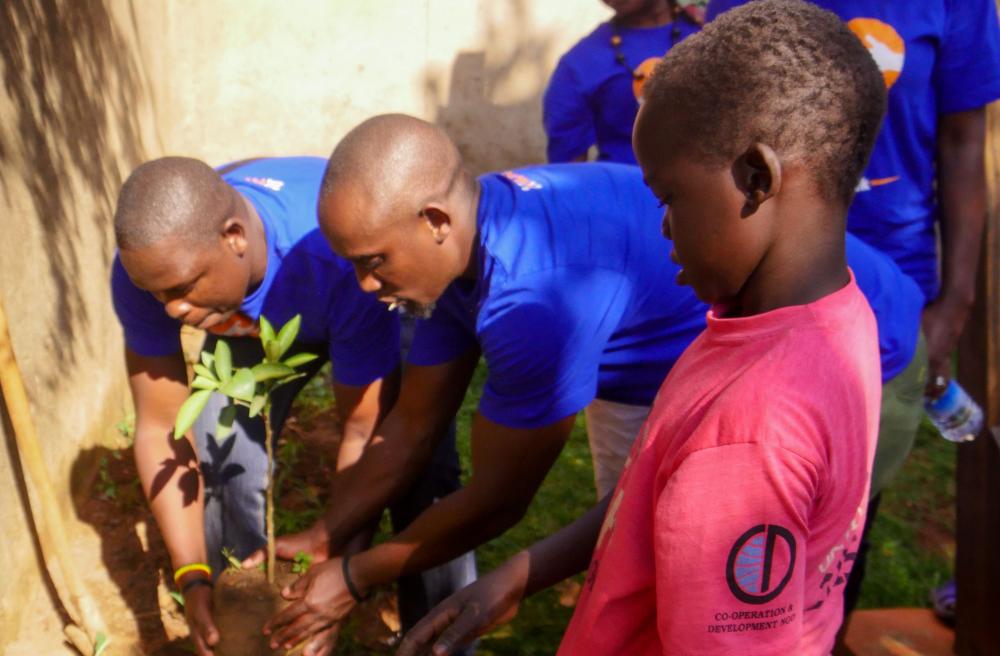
column 642, row 73
column 238, row 325
column 885, row 45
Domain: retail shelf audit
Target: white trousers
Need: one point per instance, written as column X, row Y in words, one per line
column 611, row 429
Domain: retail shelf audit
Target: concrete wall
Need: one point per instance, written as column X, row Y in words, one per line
column 76, row 114
column 293, row 80
column 93, row 88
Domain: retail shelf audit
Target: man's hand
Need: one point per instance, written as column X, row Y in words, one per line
column 943, row 321
column 198, row 612
column 312, row 541
column 320, row 600
column 469, row 613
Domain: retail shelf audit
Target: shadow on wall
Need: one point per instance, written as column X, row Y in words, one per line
column 495, row 135
column 74, row 86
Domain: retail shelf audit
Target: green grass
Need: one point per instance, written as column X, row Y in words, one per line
column 566, row 493
column 913, row 536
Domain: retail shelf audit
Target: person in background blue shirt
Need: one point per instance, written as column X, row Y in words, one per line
column 940, row 60
column 558, row 276
column 216, row 250
column 593, row 95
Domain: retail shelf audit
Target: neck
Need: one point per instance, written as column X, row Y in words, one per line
column 257, row 251
column 470, row 254
column 800, row 267
column 656, row 15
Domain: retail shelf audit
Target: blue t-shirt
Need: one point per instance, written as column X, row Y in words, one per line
column 937, row 57
column 303, row 277
column 591, row 98
column 576, row 297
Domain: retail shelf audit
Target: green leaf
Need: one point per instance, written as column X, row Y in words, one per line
column 266, row 331
column 270, row 370
column 204, row 372
column 202, row 383
column 224, row 425
column 207, row 359
column 241, row 386
column 288, row 379
column 300, row 359
column 288, row 333
column 257, row 404
column 178, row 597
column 189, row 411
column 223, row 361
column 101, row 643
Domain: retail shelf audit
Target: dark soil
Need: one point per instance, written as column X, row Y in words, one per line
column 133, row 552
column 244, row 601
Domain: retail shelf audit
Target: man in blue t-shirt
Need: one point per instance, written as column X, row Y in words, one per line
column 560, row 279
column 217, row 250
column 593, row 95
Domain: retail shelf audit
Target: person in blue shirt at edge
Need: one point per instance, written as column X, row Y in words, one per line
column 926, row 178
column 559, row 278
column 216, row 250
column 593, row 95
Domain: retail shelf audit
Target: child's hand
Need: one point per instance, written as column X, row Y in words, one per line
column 470, row 612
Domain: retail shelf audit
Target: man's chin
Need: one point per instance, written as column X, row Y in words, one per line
column 412, row 308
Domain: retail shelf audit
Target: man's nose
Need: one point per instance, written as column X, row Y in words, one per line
column 367, row 281
column 665, row 228
column 177, row 308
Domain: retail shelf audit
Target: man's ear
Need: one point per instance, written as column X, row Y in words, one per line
column 757, row 173
column 438, row 220
column 234, row 235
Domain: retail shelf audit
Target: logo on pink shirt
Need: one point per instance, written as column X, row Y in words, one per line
column 756, row 559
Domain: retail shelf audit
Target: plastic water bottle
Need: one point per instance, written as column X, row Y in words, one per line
column 954, row 413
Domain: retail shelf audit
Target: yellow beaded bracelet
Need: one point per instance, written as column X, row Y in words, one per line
column 193, row 567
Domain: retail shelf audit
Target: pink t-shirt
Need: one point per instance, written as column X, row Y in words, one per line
column 736, row 521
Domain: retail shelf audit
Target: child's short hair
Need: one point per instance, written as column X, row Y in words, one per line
column 781, row 72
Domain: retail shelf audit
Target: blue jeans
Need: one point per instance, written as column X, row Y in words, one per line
column 235, row 474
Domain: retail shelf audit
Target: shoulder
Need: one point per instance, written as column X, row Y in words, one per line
column 588, row 50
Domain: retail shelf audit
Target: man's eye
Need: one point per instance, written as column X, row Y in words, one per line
column 372, row 263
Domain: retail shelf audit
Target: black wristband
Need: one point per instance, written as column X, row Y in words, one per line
column 350, row 584
column 193, row 583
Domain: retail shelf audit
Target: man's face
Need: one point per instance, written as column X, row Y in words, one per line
column 715, row 245
column 199, row 286
column 399, row 259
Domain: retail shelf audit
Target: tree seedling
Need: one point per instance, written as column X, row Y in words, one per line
column 251, row 388
column 301, row 563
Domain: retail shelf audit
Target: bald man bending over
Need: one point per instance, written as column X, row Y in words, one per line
column 216, row 250
column 557, row 275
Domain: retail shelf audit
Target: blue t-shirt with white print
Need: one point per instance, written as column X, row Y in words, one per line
column 591, row 98
column 303, row 277
column 937, row 57
column 575, row 296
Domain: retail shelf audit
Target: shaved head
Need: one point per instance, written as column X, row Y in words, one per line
column 393, row 160
column 171, row 197
column 397, row 202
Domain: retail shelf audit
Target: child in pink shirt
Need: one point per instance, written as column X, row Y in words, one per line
column 734, row 525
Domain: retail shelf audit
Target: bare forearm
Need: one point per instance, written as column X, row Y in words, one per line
column 445, row 530
column 566, row 552
column 385, row 470
column 962, row 197
column 168, row 472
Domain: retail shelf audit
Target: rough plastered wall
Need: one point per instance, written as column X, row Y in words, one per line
column 75, row 115
column 252, row 78
column 93, row 88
